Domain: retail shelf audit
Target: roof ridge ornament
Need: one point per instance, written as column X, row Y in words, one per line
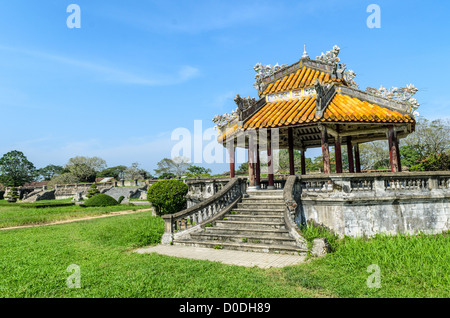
column 263, row 71
column 330, row 57
column 399, row 94
column 305, row 54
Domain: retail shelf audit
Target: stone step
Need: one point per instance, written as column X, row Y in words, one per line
column 272, row 193
column 248, row 247
column 262, row 205
column 250, row 224
column 258, row 211
column 246, row 238
column 254, row 217
column 243, row 231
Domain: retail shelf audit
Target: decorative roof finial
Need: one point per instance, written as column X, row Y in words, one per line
column 305, row 54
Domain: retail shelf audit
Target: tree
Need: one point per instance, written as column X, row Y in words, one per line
column 65, row 178
column 117, row 172
column 430, row 137
column 15, row 169
column 177, row 166
column 134, row 173
column 374, row 155
column 196, row 171
column 85, row 168
column 49, row 172
column 427, row 149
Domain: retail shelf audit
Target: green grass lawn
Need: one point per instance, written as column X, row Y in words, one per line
column 12, row 214
column 33, row 263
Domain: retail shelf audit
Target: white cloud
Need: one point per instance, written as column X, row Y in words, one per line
column 116, row 75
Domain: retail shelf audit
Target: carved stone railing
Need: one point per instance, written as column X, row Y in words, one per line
column 363, row 204
column 376, row 184
column 291, row 196
column 181, row 224
column 202, row 189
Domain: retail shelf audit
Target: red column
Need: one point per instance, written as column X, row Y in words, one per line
column 303, row 161
column 351, row 166
column 393, row 149
column 251, row 160
column 270, row 162
column 291, row 151
column 357, row 159
column 325, row 151
column 258, row 168
column 338, row 154
column 232, row 158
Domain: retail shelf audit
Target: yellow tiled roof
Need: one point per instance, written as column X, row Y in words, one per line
column 303, row 77
column 342, row 108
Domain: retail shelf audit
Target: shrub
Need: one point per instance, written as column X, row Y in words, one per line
column 100, row 200
column 120, row 199
column 13, row 195
column 92, row 191
column 167, row 196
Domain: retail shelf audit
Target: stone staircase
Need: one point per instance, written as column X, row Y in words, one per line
column 255, row 225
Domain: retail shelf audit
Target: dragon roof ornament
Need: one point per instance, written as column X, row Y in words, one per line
column 263, row 71
column 400, row 94
column 330, row 57
column 223, row 120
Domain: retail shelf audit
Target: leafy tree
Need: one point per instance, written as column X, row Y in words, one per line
column 135, row 173
column 177, row 166
column 167, row 175
column 374, row 155
column 430, row 137
column 65, row 178
column 434, row 162
column 82, row 172
column 117, row 172
column 50, row 171
column 196, row 171
column 243, row 168
column 15, row 169
column 85, row 168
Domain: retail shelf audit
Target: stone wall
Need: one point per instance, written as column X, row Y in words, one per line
column 363, row 205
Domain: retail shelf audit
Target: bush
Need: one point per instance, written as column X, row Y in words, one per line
column 92, row 191
column 167, row 196
column 100, row 200
column 13, row 195
column 120, row 199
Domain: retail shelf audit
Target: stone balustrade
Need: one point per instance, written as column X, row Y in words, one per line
column 181, row 224
column 370, row 203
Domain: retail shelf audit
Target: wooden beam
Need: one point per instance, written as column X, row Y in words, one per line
column 251, row 160
column 258, row 168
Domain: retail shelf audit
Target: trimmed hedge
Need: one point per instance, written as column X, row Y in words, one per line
column 168, row 196
column 100, row 200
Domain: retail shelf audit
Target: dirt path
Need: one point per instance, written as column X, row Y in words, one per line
column 76, row 220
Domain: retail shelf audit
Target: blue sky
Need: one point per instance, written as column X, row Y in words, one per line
column 136, row 70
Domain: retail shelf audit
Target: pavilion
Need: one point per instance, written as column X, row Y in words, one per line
column 315, row 103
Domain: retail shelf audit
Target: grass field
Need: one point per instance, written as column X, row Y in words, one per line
column 34, row 262
column 13, row 214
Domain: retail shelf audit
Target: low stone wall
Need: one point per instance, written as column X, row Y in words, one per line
column 365, row 204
